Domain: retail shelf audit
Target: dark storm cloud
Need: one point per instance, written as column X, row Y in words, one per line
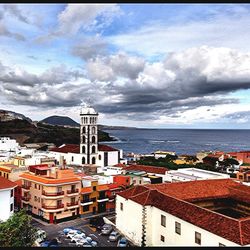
column 89, row 48
column 123, row 85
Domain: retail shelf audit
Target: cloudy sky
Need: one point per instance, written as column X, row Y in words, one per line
column 144, row 65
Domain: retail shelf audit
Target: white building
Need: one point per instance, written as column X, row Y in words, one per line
column 7, row 144
column 6, row 198
column 191, row 174
column 89, row 151
column 197, row 213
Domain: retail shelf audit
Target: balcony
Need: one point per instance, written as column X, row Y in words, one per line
column 102, row 198
column 25, row 198
column 59, row 193
column 71, row 204
column 26, row 187
column 86, row 202
column 55, row 207
column 73, row 191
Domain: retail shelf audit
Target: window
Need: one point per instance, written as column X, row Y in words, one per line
column 99, row 157
column 72, row 158
column 83, row 139
column 94, row 188
column 11, row 193
column 93, row 160
column 162, row 238
column 39, row 187
column 121, row 206
column 93, row 149
column 221, row 245
column 197, row 238
column 83, row 130
column 83, row 160
column 83, row 150
column 178, row 227
column 85, row 208
column 35, row 186
column 93, row 139
column 163, row 220
column 11, row 207
column 93, row 130
column 59, row 212
column 35, row 198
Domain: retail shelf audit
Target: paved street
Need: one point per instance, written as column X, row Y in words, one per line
column 56, row 231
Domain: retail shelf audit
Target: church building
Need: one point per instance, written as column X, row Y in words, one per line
column 89, row 152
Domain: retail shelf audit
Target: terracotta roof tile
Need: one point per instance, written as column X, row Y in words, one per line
column 6, row 184
column 148, row 169
column 86, row 190
column 67, row 148
column 102, row 147
column 102, row 187
column 45, row 180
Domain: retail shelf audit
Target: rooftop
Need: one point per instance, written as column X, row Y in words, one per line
column 6, row 184
column 147, row 169
column 186, row 200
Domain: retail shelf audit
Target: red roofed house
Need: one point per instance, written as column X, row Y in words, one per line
column 197, row 213
column 241, row 157
column 6, row 198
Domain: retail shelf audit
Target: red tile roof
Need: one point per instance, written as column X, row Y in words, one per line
column 174, row 198
column 67, row 148
column 102, row 187
column 86, row 190
column 74, row 148
column 113, row 186
column 106, row 148
column 18, row 182
column 148, row 169
column 5, row 169
column 6, row 184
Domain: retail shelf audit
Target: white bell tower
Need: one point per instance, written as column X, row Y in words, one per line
column 88, row 135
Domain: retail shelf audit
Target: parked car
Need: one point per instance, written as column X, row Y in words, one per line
column 67, row 229
column 123, row 242
column 97, row 222
column 40, row 236
column 93, row 243
column 78, row 237
column 107, row 229
column 72, row 232
column 50, row 243
column 81, row 242
column 114, row 236
column 88, row 239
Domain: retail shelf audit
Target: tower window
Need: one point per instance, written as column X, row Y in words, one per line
column 83, row 149
column 83, row 139
column 93, row 149
column 93, row 160
column 99, row 157
column 83, row 130
column 93, row 130
column 83, row 160
column 93, row 139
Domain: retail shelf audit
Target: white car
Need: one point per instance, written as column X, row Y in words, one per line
column 88, row 239
column 81, row 242
column 78, row 237
column 71, row 233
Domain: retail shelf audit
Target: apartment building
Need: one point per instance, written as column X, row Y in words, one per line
column 51, row 193
column 6, row 198
column 194, row 213
column 99, row 198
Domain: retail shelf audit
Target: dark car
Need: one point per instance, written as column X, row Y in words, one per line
column 97, row 222
column 50, row 243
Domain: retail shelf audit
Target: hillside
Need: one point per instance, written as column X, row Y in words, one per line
column 60, row 120
column 26, row 132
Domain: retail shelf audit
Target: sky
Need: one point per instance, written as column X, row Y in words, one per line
column 139, row 65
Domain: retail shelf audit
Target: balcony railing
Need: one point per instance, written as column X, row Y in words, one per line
column 25, row 198
column 53, row 207
column 53, row 194
column 86, row 200
column 72, row 191
column 26, row 186
column 70, row 204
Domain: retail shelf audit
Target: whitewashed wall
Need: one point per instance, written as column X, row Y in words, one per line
column 5, row 201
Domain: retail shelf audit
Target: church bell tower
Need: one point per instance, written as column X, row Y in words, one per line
column 88, row 135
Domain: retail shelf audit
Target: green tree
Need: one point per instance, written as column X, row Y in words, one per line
column 17, row 231
column 229, row 162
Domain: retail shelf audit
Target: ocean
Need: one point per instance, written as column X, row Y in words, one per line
column 181, row 141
